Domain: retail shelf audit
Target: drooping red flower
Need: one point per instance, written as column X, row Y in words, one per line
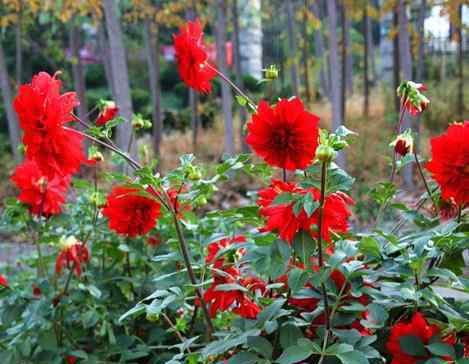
column 3, row 281
column 286, row 135
column 449, row 165
column 192, row 57
column 43, row 195
column 281, row 217
column 216, row 246
column 412, row 98
column 72, row 254
column 43, row 113
column 418, row 327
column 108, row 113
column 129, row 212
column 404, row 143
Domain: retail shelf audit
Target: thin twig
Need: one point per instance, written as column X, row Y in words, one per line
column 427, row 188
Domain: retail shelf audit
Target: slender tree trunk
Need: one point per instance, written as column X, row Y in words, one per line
column 13, row 127
column 225, row 88
column 366, row 82
column 292, row 48
column 421, row 33
column 19, row 46
column 150, row 37
column 78, row 72
column 460, row 65
column 406, row 65
column 371, row 51
column 349, row 56
column 343, row 74
column 243, row 115
column 396, row 61
column 305, row 51
column 319, row 52
column 334, row 75
column 120, row 74
column 105, row 57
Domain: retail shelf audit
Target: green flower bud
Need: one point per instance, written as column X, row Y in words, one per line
column 325, row 153
column 271, row 72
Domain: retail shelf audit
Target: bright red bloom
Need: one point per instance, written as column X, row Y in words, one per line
column 449, row 165
column 36, row 291
column 215, row 247
column 3, row 281
column 285, row 136
column 71, row 255
column 70, row 359
column 418, row 327
column 129, row 212
column 192, row 57
column 448, row 209
column 109, row 112
column 247, row 309
column 154, row 240
column 43, row 113
column 43, row 195
column 179, row 207
column 282, row 218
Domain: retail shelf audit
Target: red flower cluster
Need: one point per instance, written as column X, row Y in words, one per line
column 53, row 153
column 71, row 255
column 129, row 212
column 282, row 218
column 192, row 57
column 285, row 136
column 108, row 113
column 449, row 165
column 412, row 98
column 3, row 281
column 236, row 300
column 418, row 327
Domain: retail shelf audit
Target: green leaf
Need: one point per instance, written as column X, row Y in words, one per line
column 412, row 345
column 260, row 345
column 377, row 316
column 243, row 358
column 442, row 349
column 304, row 246
column 241, row 100
column 289, row 335
column 369, row 246
column 283, row 199
column 310, row 205
column 297, row 279
column 353, row 357
column 295, row 354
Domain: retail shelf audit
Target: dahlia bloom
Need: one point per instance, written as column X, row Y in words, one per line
column 403, row 144
column 286, row 135
column 449, row 165
column 43, row 112
column 281, row 217
column 192, row 57
column 72, row 254
column 129, row 213
column 3, row 281
column 44, row 196
column 418, row 327
column 108, row 113
column 215, row 247
column 412, row 98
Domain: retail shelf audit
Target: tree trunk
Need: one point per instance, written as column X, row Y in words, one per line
column 292, row 48
column 334, row 75
column 150, row 37
column 366, row 83
column 105, row 57
column 19, row 46
column 226, row 96
column 396, row 66
column 120, row 75
column 305, row 51
column 343, row 73
column 250, row 37
column 371, row 51
column 349, row 57
column 243, row 115
column 13, row 126
column 421, row 33
column 78, row 72
column 406, row 66
column 319, row 52
column 460, row 65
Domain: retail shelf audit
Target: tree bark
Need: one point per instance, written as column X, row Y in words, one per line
column 243, row 115
column 371, row 52
column 13, row 126
column 406, row 66
column 319, row 52
column 105, row 57
column 305, row 51
column 421, row 33
column 349, row 56
column 334, row 75
column 460, row 65
column 150, row 36
column 366, row 82
column 292, row 48
column 120, row 75
column 78, row 72
column 396, row 62
column 343, row 74
column 19, row 46
column 226, row 96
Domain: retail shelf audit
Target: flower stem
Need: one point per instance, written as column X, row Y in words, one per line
column 398, row 130
column 429, row 192
column 320, row 250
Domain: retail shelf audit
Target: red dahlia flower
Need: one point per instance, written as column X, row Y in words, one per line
column 129, row 212
column 418, row 327
column 404, row 143
column 449, row 165
column 43, row 195
column 215, row 247
column 412, row 98
column 3, row 281
column 108, row 113
column 43, row 113
column 285, row 136
column 192, row 57
column 71, row 255
column 281, row 217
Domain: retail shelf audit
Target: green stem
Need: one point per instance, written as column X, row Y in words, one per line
column 427, row 188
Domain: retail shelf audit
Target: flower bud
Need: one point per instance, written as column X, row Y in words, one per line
column 96, row 156
column 271, row 72
column 138, row 122
column 152, row 317
column 325, row 153
column 403, row 144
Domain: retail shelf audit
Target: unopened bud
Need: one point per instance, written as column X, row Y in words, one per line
column 325, row 153
column 96, row 156
column 138, row 122
column 271, row 72
column 403, row 144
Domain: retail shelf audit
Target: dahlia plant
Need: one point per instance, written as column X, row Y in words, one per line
column 148, row 273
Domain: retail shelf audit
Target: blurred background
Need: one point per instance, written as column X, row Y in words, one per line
column 344, row 58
